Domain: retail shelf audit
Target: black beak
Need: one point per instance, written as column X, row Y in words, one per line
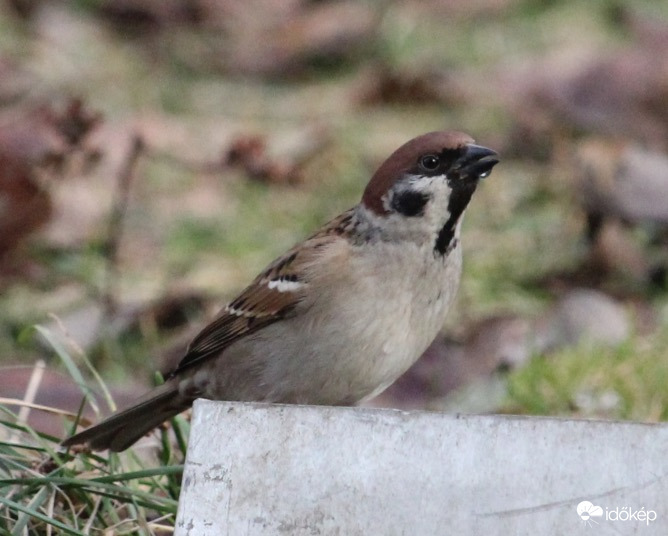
column 476, row 162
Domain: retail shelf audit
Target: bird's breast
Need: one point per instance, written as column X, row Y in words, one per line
column 360, row 329
column 375, row 323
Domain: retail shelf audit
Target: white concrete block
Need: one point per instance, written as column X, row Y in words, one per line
column 255, row 469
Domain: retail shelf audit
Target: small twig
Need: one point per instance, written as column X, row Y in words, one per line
column 115, row 232
column 31, row 392
column 31, row 405
column 49, row 511
column 93, row 515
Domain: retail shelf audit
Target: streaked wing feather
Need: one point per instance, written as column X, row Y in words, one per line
column 262, row 304
column 258, row 305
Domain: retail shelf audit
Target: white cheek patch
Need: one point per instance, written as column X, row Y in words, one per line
column 283, row 285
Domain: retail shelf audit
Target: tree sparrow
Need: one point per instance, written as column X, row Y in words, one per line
column 341, row 315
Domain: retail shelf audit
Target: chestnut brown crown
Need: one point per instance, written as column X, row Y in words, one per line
column 450, row 154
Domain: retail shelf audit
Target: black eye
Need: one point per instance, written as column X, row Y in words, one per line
column 430, row 162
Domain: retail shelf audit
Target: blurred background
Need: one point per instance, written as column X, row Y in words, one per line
column 155, row 154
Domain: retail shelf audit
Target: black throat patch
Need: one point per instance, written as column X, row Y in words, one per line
column 409, row 202
column 459, row 200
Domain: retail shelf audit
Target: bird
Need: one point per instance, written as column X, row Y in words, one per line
column 340, row 316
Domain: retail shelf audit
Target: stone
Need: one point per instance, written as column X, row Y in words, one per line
column 263, row 469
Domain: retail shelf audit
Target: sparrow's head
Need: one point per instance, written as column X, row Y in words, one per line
column 428, row 182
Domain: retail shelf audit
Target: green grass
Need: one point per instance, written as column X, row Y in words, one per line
column 627, row 382
column 45, row 489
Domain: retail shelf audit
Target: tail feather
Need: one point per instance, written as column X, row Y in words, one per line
column 123, row 428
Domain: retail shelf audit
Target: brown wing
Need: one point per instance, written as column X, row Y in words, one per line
column 271, row 297
column 256, row 307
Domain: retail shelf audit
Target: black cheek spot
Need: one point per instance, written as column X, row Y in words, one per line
column 409, row 202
